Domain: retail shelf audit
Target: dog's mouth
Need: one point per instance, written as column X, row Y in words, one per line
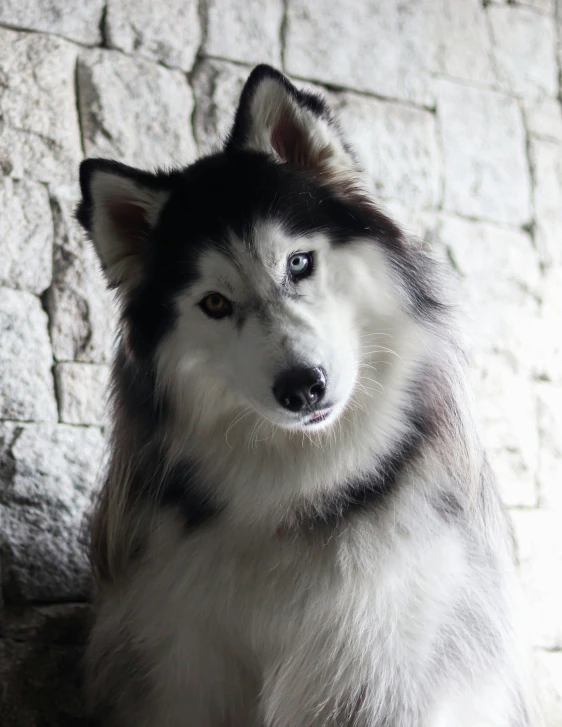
column 318, row 417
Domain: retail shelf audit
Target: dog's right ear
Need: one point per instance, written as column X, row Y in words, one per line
column 292, row 127
column 120, row 208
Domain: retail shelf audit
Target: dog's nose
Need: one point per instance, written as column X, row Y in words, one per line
column 300, row 388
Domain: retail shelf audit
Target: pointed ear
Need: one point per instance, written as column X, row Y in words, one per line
column 120, row 207
column 293, row 127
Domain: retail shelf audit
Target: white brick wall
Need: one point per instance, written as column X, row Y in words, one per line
column 454, row 107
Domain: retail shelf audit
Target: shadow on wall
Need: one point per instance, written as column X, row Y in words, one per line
column 41, row 650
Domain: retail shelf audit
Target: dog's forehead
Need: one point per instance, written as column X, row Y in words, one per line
column 258, row 258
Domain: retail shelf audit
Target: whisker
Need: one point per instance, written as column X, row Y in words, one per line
column 238, row 418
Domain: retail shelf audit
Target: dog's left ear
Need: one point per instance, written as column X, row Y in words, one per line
column 292, row 126
column 119, row 210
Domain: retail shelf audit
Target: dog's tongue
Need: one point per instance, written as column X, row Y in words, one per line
column 316, row 416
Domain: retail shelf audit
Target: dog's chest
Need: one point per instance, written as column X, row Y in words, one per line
column 265, row 595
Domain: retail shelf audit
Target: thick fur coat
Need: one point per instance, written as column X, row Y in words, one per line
column 298, row 526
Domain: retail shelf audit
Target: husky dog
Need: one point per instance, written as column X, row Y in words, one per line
column 298, row 526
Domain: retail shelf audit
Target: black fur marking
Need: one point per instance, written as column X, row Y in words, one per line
column 374, row 489
column 176, row 487
column 180, row 491
column 448, row 505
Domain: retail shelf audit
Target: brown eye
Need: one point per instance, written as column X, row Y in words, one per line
column 216, row 305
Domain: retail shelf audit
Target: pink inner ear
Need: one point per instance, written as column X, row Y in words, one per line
column 130, row 224
column 290, row 141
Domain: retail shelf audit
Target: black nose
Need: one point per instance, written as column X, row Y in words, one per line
column 299, row 388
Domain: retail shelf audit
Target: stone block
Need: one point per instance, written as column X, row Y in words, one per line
column 377, row 47
column 81, row 22
column 484, row 150
column 26, row 381
column 397, row 145
column 459, row 38
column 134, row 111
column 82, row 392
column 39, row 131
column 217, row 86
column 525, row 50
column 544, row 118
column 247, row 31
column 47, row 476
column 549, row 399
column 547, row 168
column 540, row 555
column 499, row 289
column 169, row 32
column 81, row 311
column 26, row 232
column 507, row 408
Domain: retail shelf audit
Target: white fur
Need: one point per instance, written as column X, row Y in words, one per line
column 247, row 623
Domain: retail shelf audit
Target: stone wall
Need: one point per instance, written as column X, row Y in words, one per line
column 454, row 107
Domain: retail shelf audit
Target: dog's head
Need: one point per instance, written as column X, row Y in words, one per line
column 258, row 278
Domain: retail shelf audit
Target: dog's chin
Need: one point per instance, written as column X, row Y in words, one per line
column 311, row 421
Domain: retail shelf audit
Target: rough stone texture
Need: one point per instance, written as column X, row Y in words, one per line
column 80, row 308
column 118, row 94
column 389, row 49
column 486, row 170
column 510, row 431
column 379, row 47
column 26, row 233
column 545, row 6
column 248, row 31
column 551, row 315
column 547, row 164
column 82, row 392
column 216, row 86
column 540, row 551
column 39, row 135
column 397, row 144
column 41, row 651
column 167, row 32
column 82, row 24
column 544, row 118
column 461, row 40
column 47, row 475
column 525, row 51
column 478, row 252
column 550, row 432
column 26, row 381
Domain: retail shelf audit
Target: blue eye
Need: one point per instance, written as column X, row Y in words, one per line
column 300, row 265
